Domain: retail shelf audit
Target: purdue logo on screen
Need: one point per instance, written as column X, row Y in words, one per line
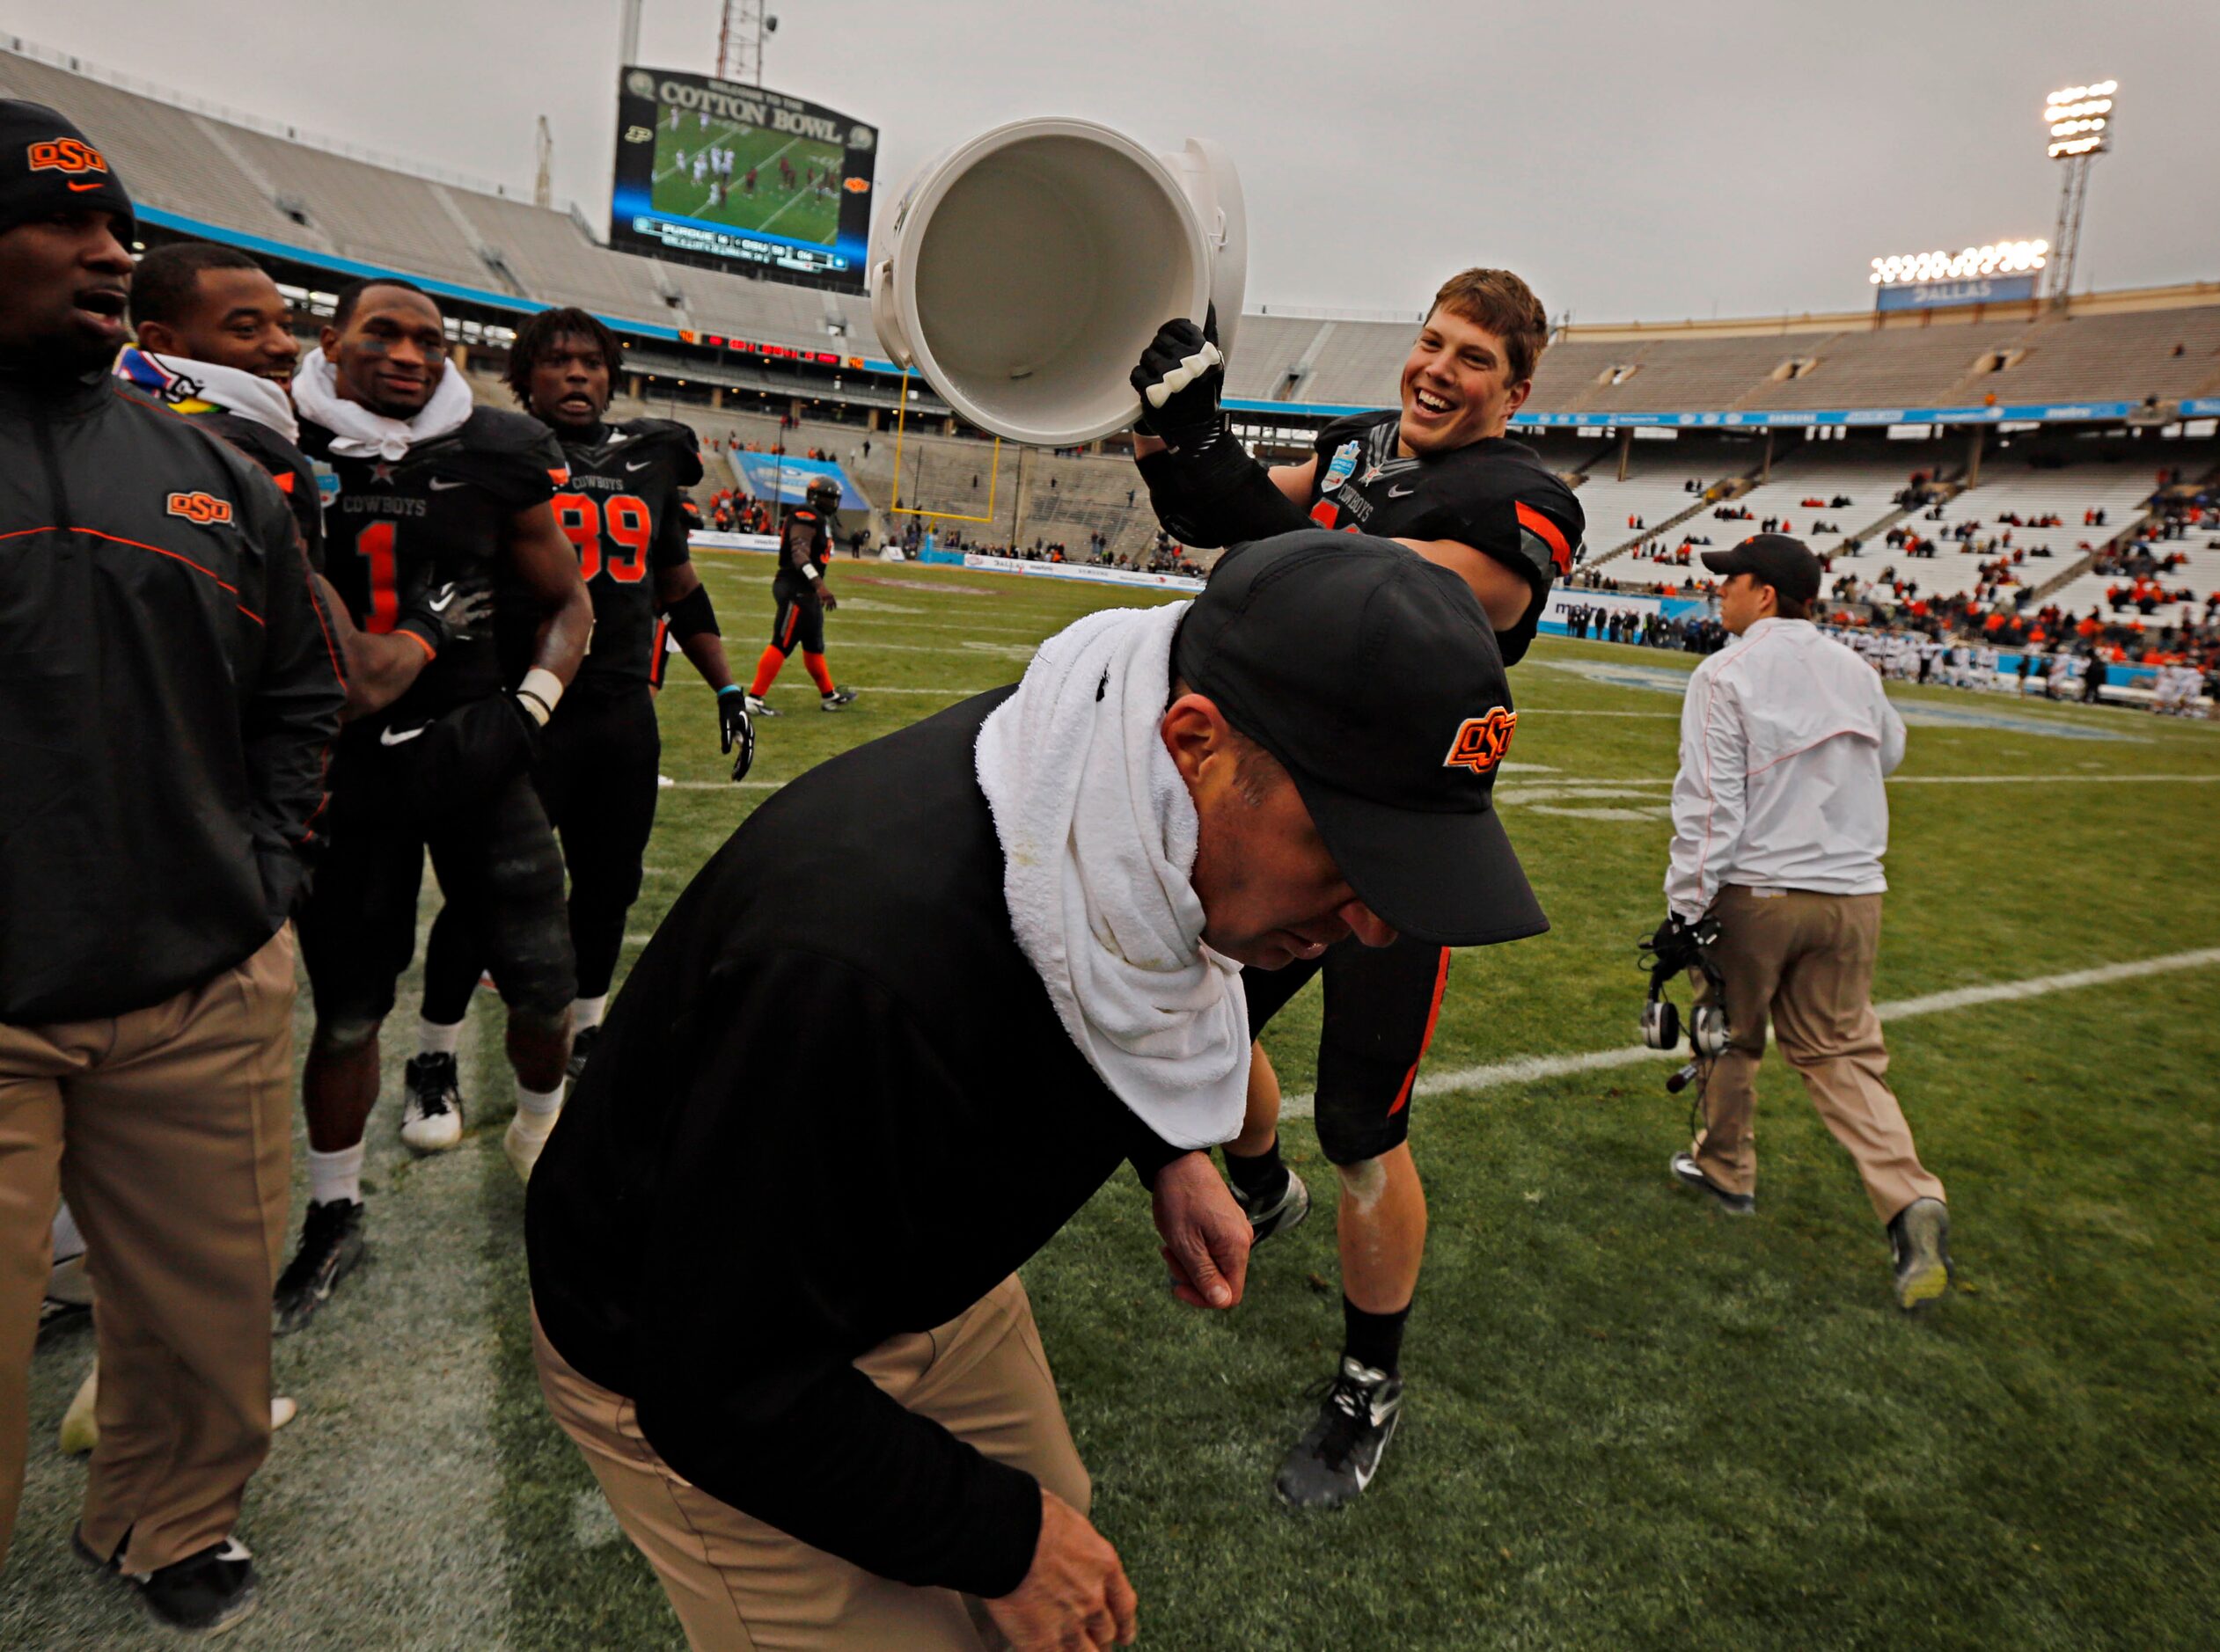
column 1481, row 742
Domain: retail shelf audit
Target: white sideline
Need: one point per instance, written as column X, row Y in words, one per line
column 1534, row 1069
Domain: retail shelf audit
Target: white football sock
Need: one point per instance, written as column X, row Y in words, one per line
column 67, row 1242
column 336, row 1175
column 538, row 1104
column 432, row 1039
column 585, row 1012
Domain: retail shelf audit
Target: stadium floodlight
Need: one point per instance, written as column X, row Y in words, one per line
column 1995, row 257
column 2079, row 120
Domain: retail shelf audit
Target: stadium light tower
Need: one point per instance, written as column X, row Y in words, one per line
column 2080, row 122
column 740, row 40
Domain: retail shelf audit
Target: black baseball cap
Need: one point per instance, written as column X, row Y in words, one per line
column 1373, row 676
column 47, row 166
column 1786, row 565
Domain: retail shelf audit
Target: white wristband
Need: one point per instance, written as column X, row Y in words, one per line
column 541, row 690
column 809, row 571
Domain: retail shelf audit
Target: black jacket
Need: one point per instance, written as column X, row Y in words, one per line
column 167, row 691
column 832, row 1104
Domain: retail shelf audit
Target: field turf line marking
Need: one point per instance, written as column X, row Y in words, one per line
column 1534, row 1069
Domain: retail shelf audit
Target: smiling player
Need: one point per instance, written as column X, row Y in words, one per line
column 1438, row 475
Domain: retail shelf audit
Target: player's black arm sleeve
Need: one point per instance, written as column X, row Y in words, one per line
column 291, row 715
column 816, row 1215
column 1216, row 495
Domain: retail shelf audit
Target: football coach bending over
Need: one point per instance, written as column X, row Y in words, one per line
column 1780, row 819
column 907, row 1021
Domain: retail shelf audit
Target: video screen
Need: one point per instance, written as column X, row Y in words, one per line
column 716, row 171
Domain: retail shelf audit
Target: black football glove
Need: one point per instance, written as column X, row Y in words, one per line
column 446, row 613
column 1179, row 379
column 736, row 729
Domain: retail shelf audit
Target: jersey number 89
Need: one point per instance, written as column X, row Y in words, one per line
column 627, row 523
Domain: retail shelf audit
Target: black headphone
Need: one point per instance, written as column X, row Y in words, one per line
column 1672, row 950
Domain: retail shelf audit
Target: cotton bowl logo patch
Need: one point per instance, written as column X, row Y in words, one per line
column 1340, row 468
column 204, row 509
column 1481, row 742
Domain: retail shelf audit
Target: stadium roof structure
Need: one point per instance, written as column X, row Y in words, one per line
column 2147, row 356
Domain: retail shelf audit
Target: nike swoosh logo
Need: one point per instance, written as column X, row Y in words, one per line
column 640, row 464
column 439, row 604
column 1401, row 493
column 399, row 736
column 80, row 188
column 439, row 487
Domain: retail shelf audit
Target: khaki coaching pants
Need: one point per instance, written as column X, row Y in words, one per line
column 740, row 1585
column 1808, row 959
column 170, row 1129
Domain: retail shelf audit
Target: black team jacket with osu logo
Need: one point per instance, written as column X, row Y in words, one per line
column 1494, row 494
column 168, row 689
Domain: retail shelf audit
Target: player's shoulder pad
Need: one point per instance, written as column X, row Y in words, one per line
column 1350, row 426
column 496, row 430
column 671, row 436
column 511, row 452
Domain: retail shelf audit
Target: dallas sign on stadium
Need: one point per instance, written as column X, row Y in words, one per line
column 712, row 171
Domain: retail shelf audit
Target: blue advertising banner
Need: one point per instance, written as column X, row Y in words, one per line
column 776, row 476
column 1982, row 290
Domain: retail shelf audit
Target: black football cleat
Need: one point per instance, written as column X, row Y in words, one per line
column 331, row 1248
column 1273, row 1213
column 1340, row 1453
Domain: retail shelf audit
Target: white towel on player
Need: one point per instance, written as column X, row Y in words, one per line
column 1098, row 840
column 359, row 434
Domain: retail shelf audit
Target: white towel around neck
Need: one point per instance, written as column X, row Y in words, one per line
column 1098, row 838
column 359, row 434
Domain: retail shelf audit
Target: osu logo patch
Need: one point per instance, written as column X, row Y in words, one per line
column 1481, row 742
column 203, row 509
column 67, row 155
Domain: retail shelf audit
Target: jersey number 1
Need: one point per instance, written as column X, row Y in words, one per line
column 375, row 545
column 628, row 522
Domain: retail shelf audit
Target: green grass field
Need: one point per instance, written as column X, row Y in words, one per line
column 799, row 213
column 1631, row 1424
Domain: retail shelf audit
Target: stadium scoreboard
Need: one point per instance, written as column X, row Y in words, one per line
column 711, row 171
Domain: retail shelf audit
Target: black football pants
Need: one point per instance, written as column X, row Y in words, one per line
column 597, row 778
column 1380, row 1006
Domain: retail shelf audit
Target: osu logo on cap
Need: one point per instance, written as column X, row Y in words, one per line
column 204, row 509
column 67, row 155
column 1481, row 742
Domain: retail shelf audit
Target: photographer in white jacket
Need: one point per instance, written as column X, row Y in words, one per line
column 1780, row 818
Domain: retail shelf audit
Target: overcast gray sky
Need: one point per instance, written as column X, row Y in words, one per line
column 1632, row 160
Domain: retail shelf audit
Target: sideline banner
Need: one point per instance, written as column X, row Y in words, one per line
column 1075, row 571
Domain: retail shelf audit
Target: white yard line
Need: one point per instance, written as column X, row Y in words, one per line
column 1535, row 1068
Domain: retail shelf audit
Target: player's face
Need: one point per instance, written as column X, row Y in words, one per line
column 1457, row 386
column 570, row 384
column 1271, row 891
column 67, row 281
column 391, row 356
column 238, row 319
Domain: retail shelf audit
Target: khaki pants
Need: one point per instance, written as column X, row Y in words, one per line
column 742, row 1586
column 1809, row 959
column 170, row 1130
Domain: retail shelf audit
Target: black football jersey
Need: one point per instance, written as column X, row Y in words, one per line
column 805, row 540
column 287, row 466
column 626, row 510
column 1494, row 494
column 440, row 513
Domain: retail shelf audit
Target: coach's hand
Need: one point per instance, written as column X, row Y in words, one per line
column 1180, row 378
column 736, row 728
column 1075, row 1597
column 1205, row 1236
